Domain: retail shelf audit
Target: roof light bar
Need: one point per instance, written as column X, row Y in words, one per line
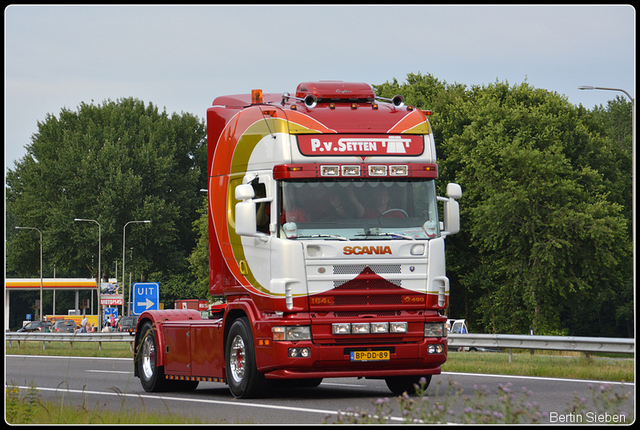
column 329, row 170
column 380, row 171
column 377, row 170
column 350, row 170
column 402, row 170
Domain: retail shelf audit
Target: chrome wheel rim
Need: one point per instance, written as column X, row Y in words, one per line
column 237, row 359
column 148, row 357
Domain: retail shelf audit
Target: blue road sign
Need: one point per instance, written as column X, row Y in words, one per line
column 110, row 311
column 146, row 296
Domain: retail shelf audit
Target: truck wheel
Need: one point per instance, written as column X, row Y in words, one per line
column 242, row 373
column 151, row 376
column 399, row 384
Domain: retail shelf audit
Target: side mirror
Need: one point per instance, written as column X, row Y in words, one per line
column 452, row 209
column 454, row 191
column 245, row 211
column 244, row 192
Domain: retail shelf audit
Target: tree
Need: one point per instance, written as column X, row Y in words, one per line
column 199, row 257
column 541, row 236
column 113, row 163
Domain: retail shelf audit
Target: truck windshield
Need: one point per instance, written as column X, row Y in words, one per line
column 358, row 210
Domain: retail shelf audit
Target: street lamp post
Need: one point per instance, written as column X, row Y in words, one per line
column 123, row 257
column 633, row 153
column 41, row 283
column 99, row 263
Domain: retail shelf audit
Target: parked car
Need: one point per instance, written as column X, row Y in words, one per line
column 457, row 326
column 460, row 326
column 128, row 324
column 43, row 326
column 65, row 326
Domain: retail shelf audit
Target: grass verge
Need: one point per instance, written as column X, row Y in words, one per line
column 545, row 364
column 27, row 408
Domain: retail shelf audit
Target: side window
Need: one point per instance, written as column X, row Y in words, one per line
column 263, row 212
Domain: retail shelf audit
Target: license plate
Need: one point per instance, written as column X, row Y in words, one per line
column 370, row 355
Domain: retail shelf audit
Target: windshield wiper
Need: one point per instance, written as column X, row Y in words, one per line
column 331, row 236
column 393, row 235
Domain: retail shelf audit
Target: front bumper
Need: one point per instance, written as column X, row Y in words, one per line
column 335, row 361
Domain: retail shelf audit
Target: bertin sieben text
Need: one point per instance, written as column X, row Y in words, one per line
column 587, row 418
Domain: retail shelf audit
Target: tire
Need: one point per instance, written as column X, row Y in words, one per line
column 245, row 382
column 401, row 384
column 152, row 376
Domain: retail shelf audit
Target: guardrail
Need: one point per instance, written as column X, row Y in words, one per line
column 70, row 337
column 557, row 343
column 455, row 340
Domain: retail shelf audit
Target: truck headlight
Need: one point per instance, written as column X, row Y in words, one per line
column 292, row 333
column 434, row 330
column 398, row 327
column 360, row 328
column 341, row 328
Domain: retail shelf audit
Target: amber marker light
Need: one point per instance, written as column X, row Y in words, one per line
column 256, row 97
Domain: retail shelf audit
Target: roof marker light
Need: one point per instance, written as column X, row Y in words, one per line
column 256, row 97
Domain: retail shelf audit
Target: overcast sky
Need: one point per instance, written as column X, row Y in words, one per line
column 182, row 57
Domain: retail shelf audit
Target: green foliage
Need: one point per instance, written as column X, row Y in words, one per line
column 178, row 286
column 32, row 410
column 114, row 163
column 546, row 207
column 19, row 410
column 199, row 257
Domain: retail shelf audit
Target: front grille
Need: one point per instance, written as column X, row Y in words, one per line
column 368, row 289
column 372, row 284
column 358, row 314
column 371, row 341
column 383, row 299
column 354, row 269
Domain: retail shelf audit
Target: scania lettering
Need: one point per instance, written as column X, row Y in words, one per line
column 325, row 242
column 359, row 250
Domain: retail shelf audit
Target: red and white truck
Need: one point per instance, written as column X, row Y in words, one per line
column 325, row 240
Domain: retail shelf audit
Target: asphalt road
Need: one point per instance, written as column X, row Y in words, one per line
column 108, row 383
